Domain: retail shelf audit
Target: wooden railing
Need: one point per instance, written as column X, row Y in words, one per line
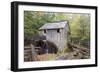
column 84, row 51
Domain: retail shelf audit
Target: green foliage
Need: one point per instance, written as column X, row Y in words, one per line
column 80, row 28
column 34, row 20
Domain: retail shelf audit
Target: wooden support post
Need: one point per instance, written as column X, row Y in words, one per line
column 34, row 54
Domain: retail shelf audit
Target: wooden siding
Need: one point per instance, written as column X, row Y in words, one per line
column 59, row 38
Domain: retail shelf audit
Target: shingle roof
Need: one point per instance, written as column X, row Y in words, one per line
column 54, row 25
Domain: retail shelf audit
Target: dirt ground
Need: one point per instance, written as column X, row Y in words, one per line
column 46, row 57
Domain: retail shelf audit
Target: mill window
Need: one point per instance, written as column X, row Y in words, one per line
column 44, row 31
column 58, row 30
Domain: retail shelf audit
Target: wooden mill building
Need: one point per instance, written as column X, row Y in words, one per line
column 56, row 32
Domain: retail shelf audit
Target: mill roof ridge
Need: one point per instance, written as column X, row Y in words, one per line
column 54, row 25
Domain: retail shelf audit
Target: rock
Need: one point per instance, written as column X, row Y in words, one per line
column 61, row 58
